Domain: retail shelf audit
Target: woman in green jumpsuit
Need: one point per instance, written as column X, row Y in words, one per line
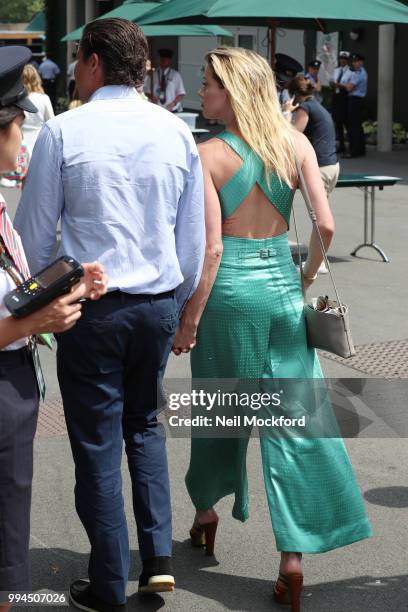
column 246, row 321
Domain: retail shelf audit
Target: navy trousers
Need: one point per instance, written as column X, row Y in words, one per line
column 18, row 422
column 355, row 130
column 110, row 365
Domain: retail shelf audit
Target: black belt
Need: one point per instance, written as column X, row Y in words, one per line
column 15, row 358
column 138, row 296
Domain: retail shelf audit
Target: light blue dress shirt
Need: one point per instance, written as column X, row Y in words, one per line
column 341, row 74
column 359, row 78
column 48, row 69
column 124, row 177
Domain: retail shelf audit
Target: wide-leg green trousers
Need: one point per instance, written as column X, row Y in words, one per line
column 253, row 328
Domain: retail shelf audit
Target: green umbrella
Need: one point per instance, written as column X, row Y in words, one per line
column 37, row 24
column 128, row 10
column 301, row 14
column 166, row 30
column 131, row 10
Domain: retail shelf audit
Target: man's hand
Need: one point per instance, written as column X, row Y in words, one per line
column 93, row 284
column 184, row 340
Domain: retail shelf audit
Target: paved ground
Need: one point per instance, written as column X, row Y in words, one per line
column 371, row 575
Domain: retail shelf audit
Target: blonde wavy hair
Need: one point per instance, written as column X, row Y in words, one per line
column 250, row 83
column 32, row 80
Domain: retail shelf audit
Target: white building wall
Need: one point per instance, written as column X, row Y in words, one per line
column 192, row 51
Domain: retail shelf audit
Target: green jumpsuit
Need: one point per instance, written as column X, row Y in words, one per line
column 253, row 328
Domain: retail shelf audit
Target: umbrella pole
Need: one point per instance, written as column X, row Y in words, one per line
column 272, row 40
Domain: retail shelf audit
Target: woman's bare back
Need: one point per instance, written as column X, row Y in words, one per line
column 256, row 217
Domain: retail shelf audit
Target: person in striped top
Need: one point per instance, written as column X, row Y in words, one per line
column 19, row 393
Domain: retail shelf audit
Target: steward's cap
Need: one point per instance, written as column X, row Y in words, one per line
column 166, row 53
column 314, row 64
column 286, row 68
column 12, row 92
column 357, row 57
column 344, row 54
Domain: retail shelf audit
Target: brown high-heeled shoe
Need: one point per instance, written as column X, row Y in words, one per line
column 203, row 535
column 288, row 589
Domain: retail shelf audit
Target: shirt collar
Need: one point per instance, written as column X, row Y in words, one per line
column 109, row 92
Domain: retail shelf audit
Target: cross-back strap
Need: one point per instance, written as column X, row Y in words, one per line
column 251, row 173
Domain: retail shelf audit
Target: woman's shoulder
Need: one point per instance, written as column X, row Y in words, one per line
column 310, row 105
column 302, row 145
column 211, row 149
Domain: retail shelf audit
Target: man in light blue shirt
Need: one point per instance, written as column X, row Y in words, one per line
column 339, row 104
column 124, row 177
column 356, row 87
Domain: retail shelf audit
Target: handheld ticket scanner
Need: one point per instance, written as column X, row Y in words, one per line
column 41, row 289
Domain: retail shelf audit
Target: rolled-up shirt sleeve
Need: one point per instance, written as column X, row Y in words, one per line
column 190, row 232
column 42, row 201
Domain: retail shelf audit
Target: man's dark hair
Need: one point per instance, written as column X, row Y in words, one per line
column 122, row 48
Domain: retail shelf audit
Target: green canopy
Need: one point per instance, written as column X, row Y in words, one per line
column 37, row 24
column 134, row 9
column 128, row 10
column 131, row 10
column 300, row 14
column 167, row 30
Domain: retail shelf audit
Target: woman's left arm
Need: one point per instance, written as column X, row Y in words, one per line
column 185, row 338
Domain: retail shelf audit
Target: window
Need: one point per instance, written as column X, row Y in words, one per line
column 247, row 41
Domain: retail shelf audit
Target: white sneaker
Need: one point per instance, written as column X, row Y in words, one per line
column 322, row 269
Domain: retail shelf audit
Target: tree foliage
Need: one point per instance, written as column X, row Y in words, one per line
column 19, row 11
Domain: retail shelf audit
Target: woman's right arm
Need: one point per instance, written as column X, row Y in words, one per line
column 185, row 337
column 320, row 203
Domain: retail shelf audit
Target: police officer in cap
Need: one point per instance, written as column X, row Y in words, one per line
column 165, row 86
column 286, row 68
column 312, row 75
column 356, row 87
column 19, row 382
column 339, row 98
